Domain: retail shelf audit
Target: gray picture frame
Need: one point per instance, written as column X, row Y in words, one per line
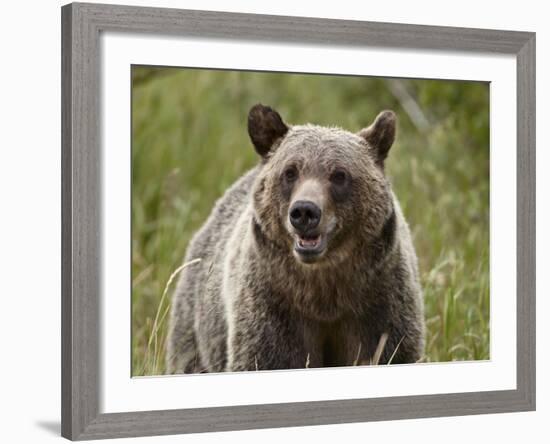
column 81, row 231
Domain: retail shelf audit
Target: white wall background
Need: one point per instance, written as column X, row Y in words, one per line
column 30, row 220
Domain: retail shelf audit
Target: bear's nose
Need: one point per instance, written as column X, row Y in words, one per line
column 304, row 215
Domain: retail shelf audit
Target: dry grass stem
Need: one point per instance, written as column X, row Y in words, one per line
column 380, row 349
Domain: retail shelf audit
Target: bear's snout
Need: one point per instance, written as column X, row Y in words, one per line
column 304, row 215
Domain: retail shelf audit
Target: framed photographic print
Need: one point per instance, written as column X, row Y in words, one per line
column 278, row 221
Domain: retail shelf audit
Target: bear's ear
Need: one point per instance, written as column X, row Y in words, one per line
column 380, row 135
column 265, row 127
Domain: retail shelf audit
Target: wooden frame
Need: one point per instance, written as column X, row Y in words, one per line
column 81, row 233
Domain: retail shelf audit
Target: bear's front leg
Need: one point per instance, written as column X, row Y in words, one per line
column 263, row 335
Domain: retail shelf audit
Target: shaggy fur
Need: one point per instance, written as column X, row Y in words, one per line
column 252, row 304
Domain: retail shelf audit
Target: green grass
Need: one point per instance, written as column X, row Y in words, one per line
column 189, row 143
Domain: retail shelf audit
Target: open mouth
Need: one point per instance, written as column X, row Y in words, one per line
column 309, row 246
column 309, row 242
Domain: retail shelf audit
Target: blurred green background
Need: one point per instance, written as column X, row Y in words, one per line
column 190, row 142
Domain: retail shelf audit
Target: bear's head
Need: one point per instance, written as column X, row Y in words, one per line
column 321, row 193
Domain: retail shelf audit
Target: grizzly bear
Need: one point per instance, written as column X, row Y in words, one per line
column 306, row 261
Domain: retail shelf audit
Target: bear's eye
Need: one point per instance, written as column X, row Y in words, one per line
column 291, row 174
column 338, row 177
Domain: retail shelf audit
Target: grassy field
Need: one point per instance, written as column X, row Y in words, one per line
column 189, row 143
